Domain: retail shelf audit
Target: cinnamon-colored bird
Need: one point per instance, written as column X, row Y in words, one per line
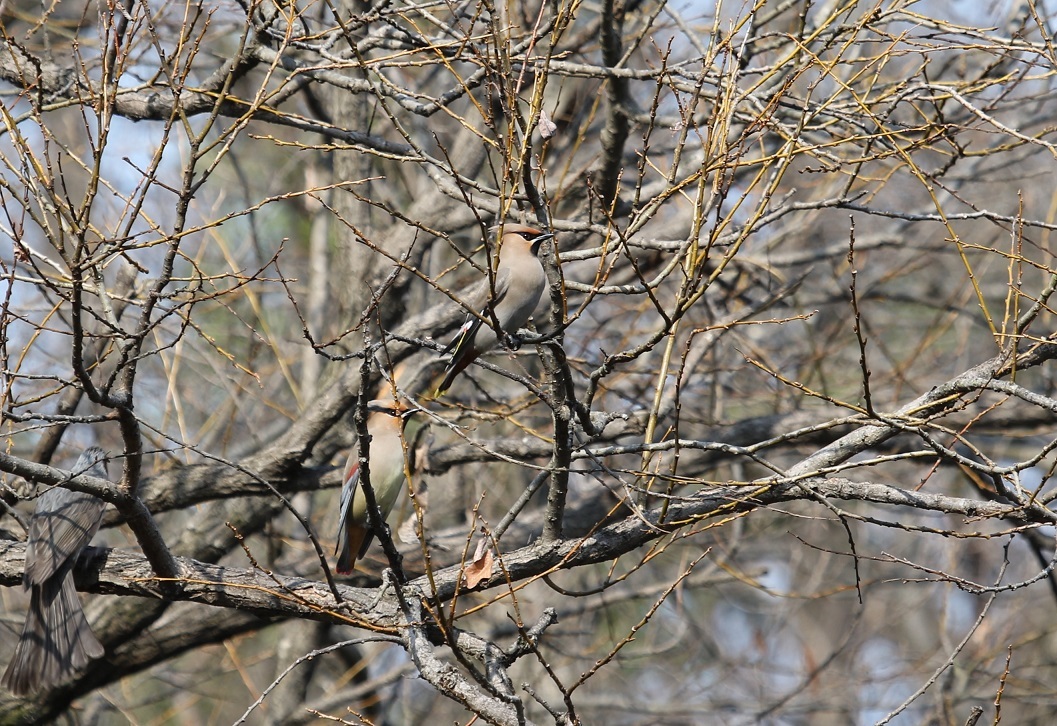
column 519, row 283
column 385, row 454
column 56, row 640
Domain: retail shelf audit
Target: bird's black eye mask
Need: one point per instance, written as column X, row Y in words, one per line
column 539, row 239
column 390, row 410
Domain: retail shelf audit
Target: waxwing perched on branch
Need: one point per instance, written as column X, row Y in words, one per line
column 385, row 424
column 56, row 640
column 519, row 283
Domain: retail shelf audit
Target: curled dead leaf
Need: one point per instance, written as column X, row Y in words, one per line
column 480, row 568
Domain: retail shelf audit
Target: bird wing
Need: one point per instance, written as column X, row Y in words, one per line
column 502, row 284
column 462, row 339
column 351, row 479
column 63, row 524
column 466, row 334
column 353, row 536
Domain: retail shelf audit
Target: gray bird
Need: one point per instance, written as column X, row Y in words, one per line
column 386, row 456
column 519, row 283
column 56, row 640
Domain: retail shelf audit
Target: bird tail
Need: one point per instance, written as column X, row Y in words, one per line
column 354, row 543
column 56, row 640
column 458, row 364
column 463, row 353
